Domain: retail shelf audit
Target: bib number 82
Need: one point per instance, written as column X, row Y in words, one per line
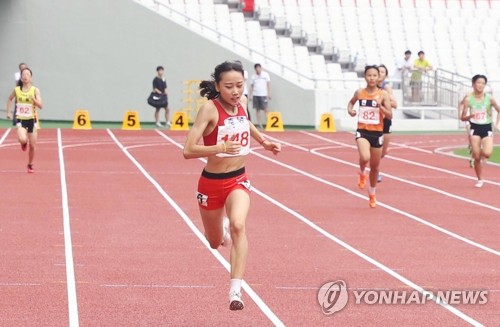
column 368, row 115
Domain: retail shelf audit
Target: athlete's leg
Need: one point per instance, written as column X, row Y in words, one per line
column 22, row 135
column 476, row 154
column 364, row 158
column 212, row 222
column 385, row 147
column 469, row 144
column 375, row 156
column 237, row 207
column 364, row 153
column 469, row 136
column 486, row 147
column 32, row 138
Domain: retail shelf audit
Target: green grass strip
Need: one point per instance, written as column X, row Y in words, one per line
column 495, row 157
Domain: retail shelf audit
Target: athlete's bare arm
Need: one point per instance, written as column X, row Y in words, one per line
column 386, row 105
column 461, row 107
column 37, row 99
column 9, row 104
column 274, row 147
column 394, row 103
column 466, row 117
column 205, row 122
column 495, row 105
column 351, row 103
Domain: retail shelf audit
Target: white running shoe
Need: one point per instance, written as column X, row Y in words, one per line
column 158, row 124
column 235, row 302
column 226, row 236
column 479, row 184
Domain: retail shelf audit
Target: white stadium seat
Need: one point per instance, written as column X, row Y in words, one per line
column 461, row 36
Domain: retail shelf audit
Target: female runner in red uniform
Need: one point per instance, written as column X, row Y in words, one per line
column 223, row 124
column 374, row 105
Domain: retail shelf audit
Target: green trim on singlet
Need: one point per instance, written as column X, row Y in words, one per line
column 476, row 105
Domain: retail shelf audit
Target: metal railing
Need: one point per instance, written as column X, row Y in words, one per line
column 419, row 89
column 451, row 87
column 230, row 43
column 438, row 88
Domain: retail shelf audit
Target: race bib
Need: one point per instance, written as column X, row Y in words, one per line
column 24, row 110
column 202, row 199
column 369, row 115
column 239, row 128
column 480, row 117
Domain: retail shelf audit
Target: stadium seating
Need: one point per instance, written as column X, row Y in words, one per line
column 306, row 35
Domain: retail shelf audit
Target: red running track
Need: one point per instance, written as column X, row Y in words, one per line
column 32, row 269
column 137, row 263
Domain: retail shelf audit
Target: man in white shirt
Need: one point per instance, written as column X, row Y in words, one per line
column 403, row 67
column 260, row 92
column 17, row 75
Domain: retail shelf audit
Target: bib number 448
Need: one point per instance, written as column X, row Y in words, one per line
column 242, row 138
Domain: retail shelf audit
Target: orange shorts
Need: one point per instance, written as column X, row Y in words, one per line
column 213, row 189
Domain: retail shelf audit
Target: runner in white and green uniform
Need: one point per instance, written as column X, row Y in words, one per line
column 477, row 110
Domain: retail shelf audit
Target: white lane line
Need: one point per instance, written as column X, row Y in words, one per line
column 69, row 146
column 402, row 180
column 315, row 151
column 374, row 262
column 68, row 246
column 411, row 147
column 4, row 136
column 258, row 301
column 156, row 286
column 381, row 204
column 450, row 172
column 345, row 245
column 18, row 284
column 16, row 144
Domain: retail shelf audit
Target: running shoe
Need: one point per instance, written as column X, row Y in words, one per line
column 169, row 124
column 479, row 184
column 30, row 169
column 158, row 124
column 24, row 146
column 379, row 178
column 235, row 302
column 373, row 201
column 362, row 180
column 226, row 236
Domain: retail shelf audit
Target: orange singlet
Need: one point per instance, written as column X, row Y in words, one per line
column 370, row 116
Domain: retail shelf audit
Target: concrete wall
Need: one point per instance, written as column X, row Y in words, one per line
column 101, row 56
